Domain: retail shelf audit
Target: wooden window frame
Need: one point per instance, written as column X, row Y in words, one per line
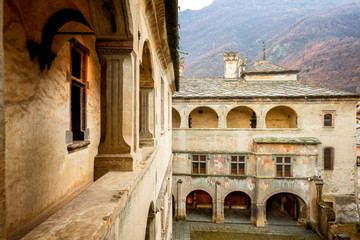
column 330, row 165
column 198, row 159
column 283, row 164
column 324, row 114
column 238, row 160
column 82, row 85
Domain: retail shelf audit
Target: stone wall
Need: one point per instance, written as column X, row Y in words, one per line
column 41, row 171
column 2, row 134
column 339, row 183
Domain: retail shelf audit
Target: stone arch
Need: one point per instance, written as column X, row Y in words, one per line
column 241, row 117
column 285, row 207
column 199, row 204
column 146, row 98
column 150, row 224
column 237, row 207
column 203, row 117
column 263, row 201
column 281, row 117
column 247, row 192
column 176, row 118
column 208, row 191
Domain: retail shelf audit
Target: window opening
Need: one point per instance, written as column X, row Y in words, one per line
column 283, row 166
column 328, row 120
column 328, row 158
column 199, row 164
column 238, row 165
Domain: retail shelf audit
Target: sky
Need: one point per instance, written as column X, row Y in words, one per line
column 193, row 4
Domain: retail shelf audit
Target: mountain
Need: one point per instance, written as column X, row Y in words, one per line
column 319, row 37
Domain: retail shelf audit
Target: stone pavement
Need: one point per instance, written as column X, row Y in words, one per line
column 181, row 230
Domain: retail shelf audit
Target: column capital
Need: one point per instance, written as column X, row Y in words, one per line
column 114, row 47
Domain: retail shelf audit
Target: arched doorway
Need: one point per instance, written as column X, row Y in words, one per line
column 237, row 207
column 241, row 117
column 175, row 118
column 199, row 206
column 285, row 209
column 281, row 117
column 146, row 99
column 203, row 117
column 150, row 224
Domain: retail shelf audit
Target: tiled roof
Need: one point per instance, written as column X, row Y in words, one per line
column 264, row 66
column 195, row 87
column 279, row 140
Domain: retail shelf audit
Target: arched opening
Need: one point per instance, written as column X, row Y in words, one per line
column 281, row 117
column 285, row 209
column 147, row 99
column 237, row 207
column 203, row 117
column 175, row 118
column 241, row 117
column 150, row 224
column 199, row 206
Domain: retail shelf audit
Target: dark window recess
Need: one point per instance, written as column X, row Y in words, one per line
column 283, row 166
column 75, row 64
column 328, row 158
column 199, row 164
column 78, row 111
column 328, row 121
column 238, row 165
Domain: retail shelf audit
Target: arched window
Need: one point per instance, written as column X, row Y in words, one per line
column 241, row 117
column 281, row 117
column 203, row 117
column 175, row 118
column 146, row 100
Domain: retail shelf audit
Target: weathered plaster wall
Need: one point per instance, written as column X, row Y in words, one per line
column 40, row 170
column 2, row 134
column 339, row 183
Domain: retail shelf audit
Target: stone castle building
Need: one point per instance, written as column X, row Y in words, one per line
column 86, row 91
column 259, row 146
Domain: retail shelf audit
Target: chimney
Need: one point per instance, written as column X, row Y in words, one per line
column 230, row 61
column 181, row 67
column 242, row 65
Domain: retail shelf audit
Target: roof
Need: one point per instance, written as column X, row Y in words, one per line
column 264, row 66
column 280, row 140
column 195, row 87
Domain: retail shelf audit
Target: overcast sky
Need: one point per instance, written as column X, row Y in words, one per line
column 193, row 4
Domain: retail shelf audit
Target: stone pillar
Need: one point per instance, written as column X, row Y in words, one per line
column 222, row 121
column 180, row 206
column 219, row 204
column 253, row 210
column 146, row 114
column 114, row 152
column 260, row 121
column 260, row 215
column 2, row 134
column 184, row 121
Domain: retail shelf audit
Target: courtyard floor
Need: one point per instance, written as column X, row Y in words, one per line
column 214, row 231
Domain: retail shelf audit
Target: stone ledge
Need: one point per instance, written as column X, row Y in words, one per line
column 91, row 214
column 77, row 145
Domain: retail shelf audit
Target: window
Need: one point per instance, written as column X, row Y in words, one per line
column 78, row 90
column 162, row 105
column 199, row 164
column 328, row 158
column 283, row 166
column 328, row 119
column 238, row 165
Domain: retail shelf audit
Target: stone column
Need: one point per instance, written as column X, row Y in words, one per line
column 146, row 137
column 260, row 215
column 219, row 204
column 184, row 121
column 260, row 121
column 253, row 210
column 180, row 206
column 222, row 121
column 114, row 152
